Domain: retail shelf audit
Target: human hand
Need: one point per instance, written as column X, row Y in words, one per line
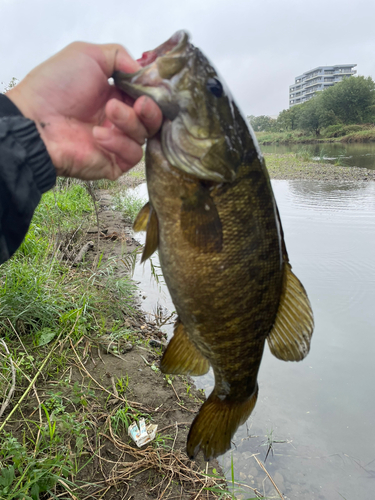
column 90, row 128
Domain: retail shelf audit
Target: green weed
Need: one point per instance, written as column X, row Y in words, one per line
column 26, row 475
column 128, row 204
column 303, row 154
column 161, row 441
column 124, row 417
column 122, row 385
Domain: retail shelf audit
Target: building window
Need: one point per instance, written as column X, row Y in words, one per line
column 292, row 101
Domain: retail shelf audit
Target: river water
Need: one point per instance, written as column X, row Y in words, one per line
column 351, row 155
column 319, row 413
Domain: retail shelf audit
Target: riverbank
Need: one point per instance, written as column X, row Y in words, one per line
column 339, row 134
column 289, row 167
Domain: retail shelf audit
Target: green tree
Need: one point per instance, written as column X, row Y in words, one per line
column 287, row 119
column 309, row 115
column 350, row 101
column 261, row 123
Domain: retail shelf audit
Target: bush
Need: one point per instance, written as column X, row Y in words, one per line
column 333, row 131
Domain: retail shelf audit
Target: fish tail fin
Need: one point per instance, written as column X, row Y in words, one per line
column 216, row 423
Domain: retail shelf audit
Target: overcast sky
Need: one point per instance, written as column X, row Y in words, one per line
column 257, row 46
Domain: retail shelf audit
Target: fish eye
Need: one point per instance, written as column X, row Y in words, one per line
column 215, row 87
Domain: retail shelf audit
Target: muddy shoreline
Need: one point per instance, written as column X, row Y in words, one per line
column 288, row 167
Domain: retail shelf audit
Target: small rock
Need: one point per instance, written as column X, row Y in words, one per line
column 127, row 347
column 243, row 476
column 155, row 343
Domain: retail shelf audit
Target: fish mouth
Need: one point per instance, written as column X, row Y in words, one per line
column 154, row 78
column 176, row 43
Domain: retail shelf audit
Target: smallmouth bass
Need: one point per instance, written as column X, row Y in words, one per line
column 213, row 217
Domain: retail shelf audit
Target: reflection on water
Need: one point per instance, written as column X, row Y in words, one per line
column 319, row 413
column 351, row 155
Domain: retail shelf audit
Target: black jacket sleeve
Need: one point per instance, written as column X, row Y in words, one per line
column 26, row 172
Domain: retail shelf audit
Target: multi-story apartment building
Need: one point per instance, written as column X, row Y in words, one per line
column 307, row 84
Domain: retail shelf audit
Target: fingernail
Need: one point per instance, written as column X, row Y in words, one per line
column 101, row 133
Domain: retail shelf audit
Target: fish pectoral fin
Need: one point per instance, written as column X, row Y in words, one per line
column 140, row 223
column 181, row 356
column 200, row 222
column 290, row 336
column 215, row 425
column 147, row 220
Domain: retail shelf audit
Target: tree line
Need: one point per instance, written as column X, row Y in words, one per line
column 351, row 101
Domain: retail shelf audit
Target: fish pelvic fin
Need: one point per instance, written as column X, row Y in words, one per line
column 140, row 223
column 290, row 336
column 216, row 423
column 181, row 356
column 200, row 222
column 147, row 220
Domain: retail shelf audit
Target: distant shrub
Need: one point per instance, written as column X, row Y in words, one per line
column 350, row 129
column 333, row 131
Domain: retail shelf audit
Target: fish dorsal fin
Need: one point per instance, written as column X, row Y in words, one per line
column 181, row 356
column 200, row 222
column 147, row 220
column 290, row 336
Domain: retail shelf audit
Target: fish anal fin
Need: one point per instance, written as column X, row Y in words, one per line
column 182, row 357
column 290, row 336
column 200, row 222
column 140, row 223
column 213, row 428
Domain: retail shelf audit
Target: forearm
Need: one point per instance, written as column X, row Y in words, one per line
column 26, row 172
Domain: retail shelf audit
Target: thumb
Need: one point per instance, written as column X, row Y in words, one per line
column 114, row 57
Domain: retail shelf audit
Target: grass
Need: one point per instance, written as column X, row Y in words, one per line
column 128, row 204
